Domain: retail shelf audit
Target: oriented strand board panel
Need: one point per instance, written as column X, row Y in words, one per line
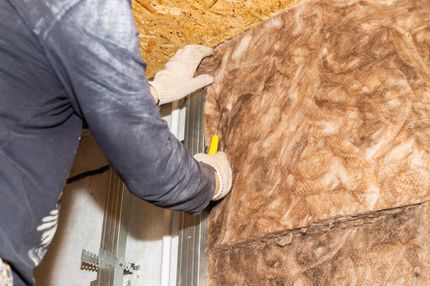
column 324, row 112
column 388, row 248
column 167, row 25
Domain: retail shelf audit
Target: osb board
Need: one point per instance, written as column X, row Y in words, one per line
column 323, row 111
column 167, row 25
column 386, row 248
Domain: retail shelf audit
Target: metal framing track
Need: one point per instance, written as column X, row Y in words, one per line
column 192, row 259
column 114, row 233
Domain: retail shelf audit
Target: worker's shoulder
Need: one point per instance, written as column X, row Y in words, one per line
column 109, row 19
column 40, row 15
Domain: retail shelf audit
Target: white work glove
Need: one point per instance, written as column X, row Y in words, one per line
column 177, row 80
column 5, row 274
column 220, row 163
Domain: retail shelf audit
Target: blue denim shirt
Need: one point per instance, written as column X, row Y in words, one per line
column 63, row 62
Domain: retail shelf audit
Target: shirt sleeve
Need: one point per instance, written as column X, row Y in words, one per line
column 93, row 48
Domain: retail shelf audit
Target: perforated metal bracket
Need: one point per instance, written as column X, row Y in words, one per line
column 93, row 262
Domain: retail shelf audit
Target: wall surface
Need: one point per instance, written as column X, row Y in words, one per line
column 324, row 112
column 80, row 227
column 147, row 227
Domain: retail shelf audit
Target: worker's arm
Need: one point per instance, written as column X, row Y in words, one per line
column 94, row 50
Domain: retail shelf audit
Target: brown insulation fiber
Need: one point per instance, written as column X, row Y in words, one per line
column 324, row 113
column 167, row 25
column 387, row 248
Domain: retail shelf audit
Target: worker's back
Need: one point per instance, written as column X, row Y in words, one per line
column 39, row 131
column 62, row 61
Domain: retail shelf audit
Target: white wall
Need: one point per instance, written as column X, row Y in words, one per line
column 144, row 243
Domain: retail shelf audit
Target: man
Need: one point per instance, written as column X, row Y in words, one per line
column 63, row 62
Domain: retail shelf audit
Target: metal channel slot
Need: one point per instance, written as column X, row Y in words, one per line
column 114, row 234
column 193, row 228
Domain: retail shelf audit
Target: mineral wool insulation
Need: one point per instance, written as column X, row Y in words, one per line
column 324, row 112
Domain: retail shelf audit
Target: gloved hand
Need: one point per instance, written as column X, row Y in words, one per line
column 220, row 163
column 177, row 80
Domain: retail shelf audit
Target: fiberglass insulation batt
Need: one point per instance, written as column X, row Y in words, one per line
column 324, row 112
